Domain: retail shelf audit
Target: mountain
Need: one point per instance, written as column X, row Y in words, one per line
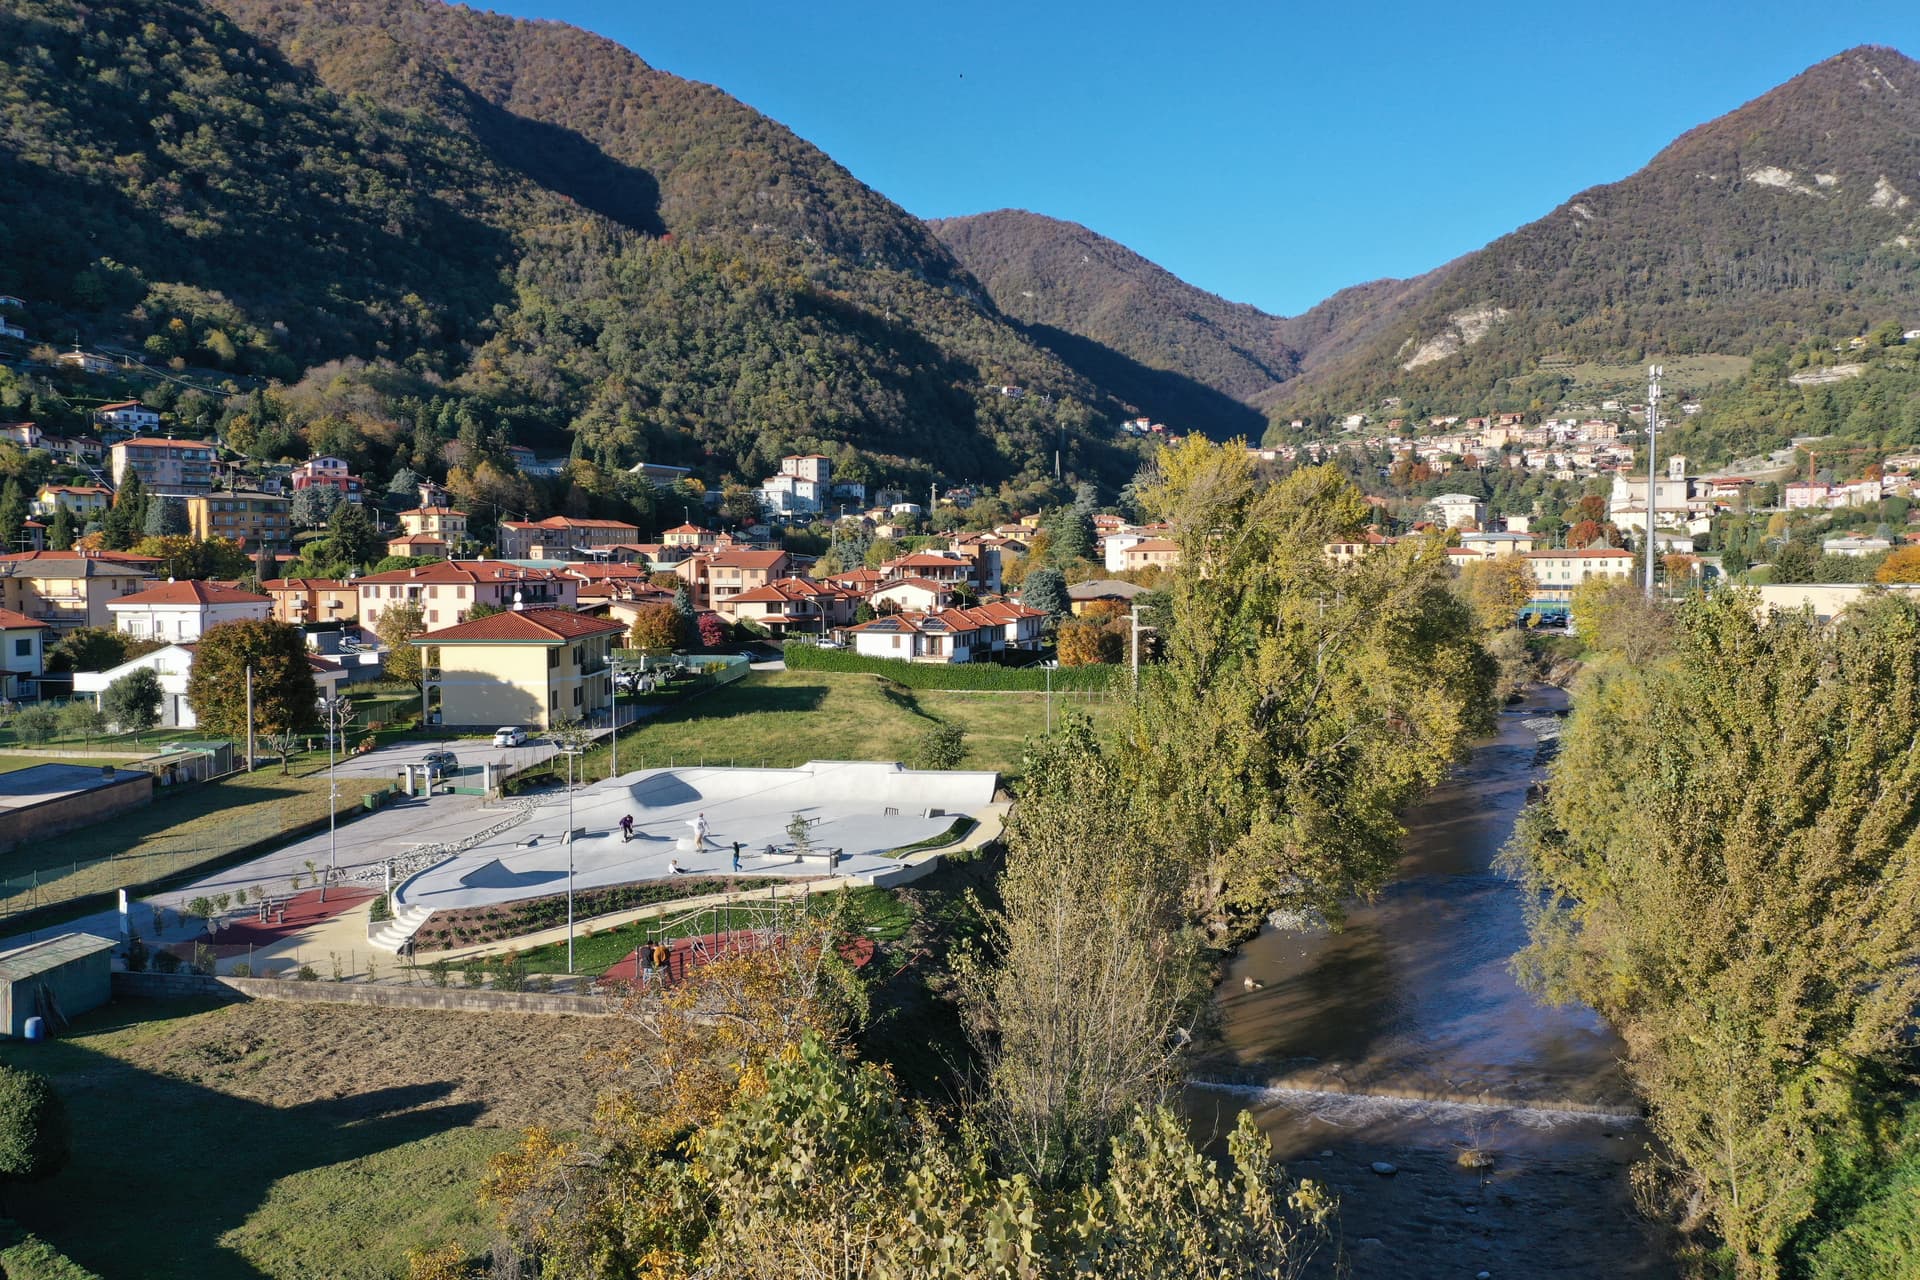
column 1175, row 350
column 436, row 223
column 1797, row 212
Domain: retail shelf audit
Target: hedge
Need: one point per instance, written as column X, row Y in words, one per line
column 972, row 675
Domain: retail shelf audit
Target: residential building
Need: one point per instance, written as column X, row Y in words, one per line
column 84, row 501
column 787, row 606
column 423, row 545
column 82, row 451
column 25, row 434
column 1805, row 493
column 182, row 611
column 22, row 654
column 530, row 668
column 1854, row 545
column 949, row 635
column 561, row 537
column 1498, row 544
column 177, row 468
column 85, row 361
column 1114, row 548
column 1107, row 591
column 446, row 591
column 1457, row 510
column 127, row 415
column 1557, row 573
column 248, row 517
column 800, row 487
column 69, row 589
column 912, row 595
column 690, row 536
column 173, row 664
column 327, row 472
column 728, row 573
column 1152, row 553
column 442, row 522
column 945, row 567
column 306, row 602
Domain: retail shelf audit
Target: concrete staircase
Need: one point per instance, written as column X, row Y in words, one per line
column 392, row 934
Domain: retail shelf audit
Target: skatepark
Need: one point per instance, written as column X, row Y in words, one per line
column 857, row 814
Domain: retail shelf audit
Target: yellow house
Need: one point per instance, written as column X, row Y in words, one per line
column 69, row 589
column 440, row 522
column 528, row 667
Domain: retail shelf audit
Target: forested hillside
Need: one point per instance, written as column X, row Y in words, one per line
column 1797, row 213
column 514, row 229
column 1177, row 351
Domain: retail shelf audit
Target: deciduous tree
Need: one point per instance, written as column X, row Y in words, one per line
column 398, row 624
column 133, row 701
column 284, row 692
column 656, row 626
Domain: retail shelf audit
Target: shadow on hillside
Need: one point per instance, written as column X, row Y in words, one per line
column 163, row 1167
column 565, row 162
column 1179, row 401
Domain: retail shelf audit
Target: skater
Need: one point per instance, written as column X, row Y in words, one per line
column 736, row 855
column 626, row 828
column 674, row 868
column 700, row 831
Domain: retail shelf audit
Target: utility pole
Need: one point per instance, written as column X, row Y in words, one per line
column 338, row 713
column 1133, row 616
column 1653, row 480
column 249, row 717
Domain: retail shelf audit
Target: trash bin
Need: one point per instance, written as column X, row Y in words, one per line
column 36, row 1029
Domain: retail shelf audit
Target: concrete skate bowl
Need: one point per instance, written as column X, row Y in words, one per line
column 870, row 786
column 495, row 874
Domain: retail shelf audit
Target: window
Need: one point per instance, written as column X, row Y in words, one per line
column 576, row 695
column 553, row 659
column 23, row 648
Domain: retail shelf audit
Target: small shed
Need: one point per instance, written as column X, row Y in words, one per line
column 57, row 980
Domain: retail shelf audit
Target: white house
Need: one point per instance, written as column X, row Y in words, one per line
column 1457, row 509
column 916, row 637
column 802, row 484
column 173, row 664
column 128, row 415
column 1854, row 545
column 1558, row 572
column 913, row 595
column 22, row 650
column 185, row 610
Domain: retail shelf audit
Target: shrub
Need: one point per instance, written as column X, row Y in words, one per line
column 166, row 962
column 307, row 974
column 380, row 910
column 241, row 969
column 939, row 746
column 34, row 1137
column 439, row 973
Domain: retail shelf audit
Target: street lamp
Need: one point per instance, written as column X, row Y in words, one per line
column 337, row 713
column 1048, row 668
column 570, row 737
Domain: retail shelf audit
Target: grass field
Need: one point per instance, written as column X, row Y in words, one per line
column 786, row 718
column 9, row 763
column 1689, row 372
column 241, row 1141
column 183, row 828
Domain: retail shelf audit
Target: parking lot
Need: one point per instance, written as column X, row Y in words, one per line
column 390, row 762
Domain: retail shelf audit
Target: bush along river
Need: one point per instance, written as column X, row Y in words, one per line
column 1467, row 1129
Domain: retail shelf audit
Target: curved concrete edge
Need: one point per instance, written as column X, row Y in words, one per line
column 988, row 828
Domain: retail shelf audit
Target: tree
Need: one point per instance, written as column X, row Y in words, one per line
column 184, row 556
column 1046, row 590
column 1496, row 589
column 312, row 505
column 1612, row 615
column 80, row 718
column 284, row 693
column 1901, row 565
column 355, row 540
column 1726, row 865
column 61, row 531
column 284, row 743
column 13, row 514
column 1082, row 642
column 132, row 702
column 1072, row 537
column 126, row 522
column 1301, row 703
column 398, row 624
column 97, row 649
column 712, row 630
column 166, row 517
column 35, row 1140
column 657, row 627
column 1080, row 1014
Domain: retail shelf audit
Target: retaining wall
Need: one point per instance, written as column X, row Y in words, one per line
column 181, row 986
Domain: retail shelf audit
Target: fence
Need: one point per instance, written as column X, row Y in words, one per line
column 181, row 986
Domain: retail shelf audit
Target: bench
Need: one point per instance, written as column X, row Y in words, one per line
column 829, row 856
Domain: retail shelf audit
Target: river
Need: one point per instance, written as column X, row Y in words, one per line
column 1404, row 1038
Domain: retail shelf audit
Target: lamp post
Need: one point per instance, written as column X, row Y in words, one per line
column 1048, row 667
column 337, row 713
column 571, row 738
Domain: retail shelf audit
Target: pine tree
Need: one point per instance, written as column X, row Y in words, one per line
column 60, row 532
column 13, row 514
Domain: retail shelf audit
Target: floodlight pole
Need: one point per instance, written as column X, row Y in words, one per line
column 1653, row 480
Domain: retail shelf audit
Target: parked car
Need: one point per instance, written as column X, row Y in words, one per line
column 510, row 736
column 441, row 762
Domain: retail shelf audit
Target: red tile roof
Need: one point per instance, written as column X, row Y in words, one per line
column 192, row 591
column 746, row 559
column 537, row 626
column 462, row 572
column 154, row 442
column 304, row 584
column 11, row 621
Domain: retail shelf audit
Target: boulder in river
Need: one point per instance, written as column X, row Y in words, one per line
column 1384, row 1168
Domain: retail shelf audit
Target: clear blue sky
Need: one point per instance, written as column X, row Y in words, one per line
column 1272, row 153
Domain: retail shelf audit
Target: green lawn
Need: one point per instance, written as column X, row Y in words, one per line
column 281, row 1140
column 183, row 828
column 11, row 763
column 785, row 718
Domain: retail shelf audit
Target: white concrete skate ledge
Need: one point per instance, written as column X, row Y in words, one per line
column 847, row 804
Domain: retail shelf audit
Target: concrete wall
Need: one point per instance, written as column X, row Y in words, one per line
column 180, row 986
column 65, row 813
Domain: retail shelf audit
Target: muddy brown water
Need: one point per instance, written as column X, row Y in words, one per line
column 1405, row 1038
